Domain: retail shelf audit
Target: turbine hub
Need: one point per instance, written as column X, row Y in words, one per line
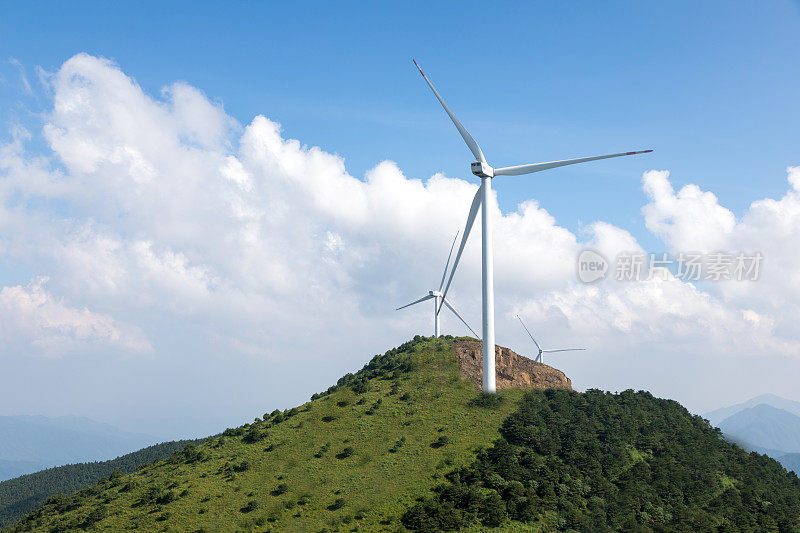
column 482, row 170
column 435, row 293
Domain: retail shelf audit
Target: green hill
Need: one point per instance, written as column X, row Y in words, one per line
column 23, row 494
column 406, row 443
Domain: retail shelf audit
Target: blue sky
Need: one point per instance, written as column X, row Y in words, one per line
column 710, row 86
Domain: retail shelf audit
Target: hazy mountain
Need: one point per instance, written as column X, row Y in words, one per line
column 791, row 461
column 718, row 415
column 766, row 427
column 11, row 469
column 23, row 494
column 31, row 443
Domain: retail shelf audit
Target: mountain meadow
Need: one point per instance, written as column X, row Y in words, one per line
column 409, row 443
column 23, row 494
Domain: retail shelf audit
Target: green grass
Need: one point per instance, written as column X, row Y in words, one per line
column 23, row 494
column 342, row 461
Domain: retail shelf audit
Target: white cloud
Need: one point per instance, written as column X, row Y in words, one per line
column 233, row 239
column 174, row 213
column 31, row 319
column 691, row 220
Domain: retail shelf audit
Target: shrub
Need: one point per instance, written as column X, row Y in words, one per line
column 338, row 503
column 193, row 454
column 255, row 434
column 486, row 400
column 166, row 497
column 441, row 441
column 283, row 488
column 238, row 467
column 397, row 445
column 361, row 386
column 252, row 505
column 97, row 514
column 322, row 450
column 345, row 453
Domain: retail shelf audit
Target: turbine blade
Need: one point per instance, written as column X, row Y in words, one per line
column 473, row 211
column 529, row 334
column 424, row 298
column 538, row 167
column 450, row 307
column 473, row 146
column 565, row 350
column 444, row 274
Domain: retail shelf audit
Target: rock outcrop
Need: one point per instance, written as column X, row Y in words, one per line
column 513, row 370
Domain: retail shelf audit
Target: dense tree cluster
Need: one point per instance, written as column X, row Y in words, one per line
column 21, row 495
column 387, row 366
column 604, row 462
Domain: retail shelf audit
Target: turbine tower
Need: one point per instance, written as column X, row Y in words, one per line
column 485, row 172
column 437, row 297
column 539, row 356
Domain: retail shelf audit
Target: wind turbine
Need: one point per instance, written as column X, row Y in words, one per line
column 539, row 356
column 482, row 169
column 437, row 295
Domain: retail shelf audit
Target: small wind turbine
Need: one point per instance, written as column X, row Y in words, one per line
column 482, row 169
column 437, row 295
column 539, row 356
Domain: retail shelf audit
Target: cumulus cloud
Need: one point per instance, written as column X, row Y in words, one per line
column 179, row 209
column 691, row 220
column 167, row 211
column 32, row 319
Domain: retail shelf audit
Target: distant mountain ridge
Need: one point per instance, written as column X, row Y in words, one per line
column 23, row 494
column 765, row 427
column 767, row 424
column 29, row 443
column 12, row 469
column 791, row 462
column 718, row 415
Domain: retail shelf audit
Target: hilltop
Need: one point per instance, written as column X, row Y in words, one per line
column 409, row 442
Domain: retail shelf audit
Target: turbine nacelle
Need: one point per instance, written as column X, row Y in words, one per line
column 482, row 169
column 438, row 297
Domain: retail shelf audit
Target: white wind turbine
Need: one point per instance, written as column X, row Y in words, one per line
column 539, row 356
column 437, row 295
column 482, row 169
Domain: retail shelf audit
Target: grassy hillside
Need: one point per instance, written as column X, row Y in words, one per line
column 407, row 444
column 22, row 495
column 358, row 455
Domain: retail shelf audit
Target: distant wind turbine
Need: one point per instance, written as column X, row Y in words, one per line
column 539, row 356
column 482, row 169
column 437, row 295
